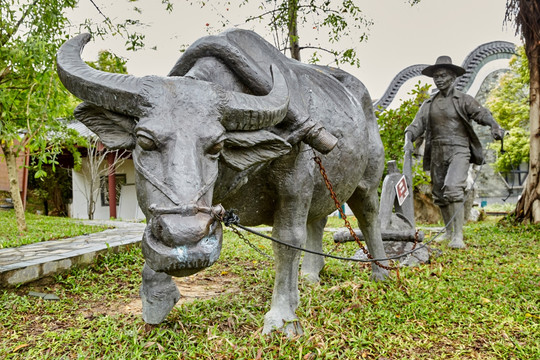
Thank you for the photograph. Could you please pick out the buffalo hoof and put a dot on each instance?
(457, 244)
(444, 237)
(310, 278)
(378, 273)
(287, 324)
(311, 268)
(159, 294)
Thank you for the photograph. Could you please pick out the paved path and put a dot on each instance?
(31, 262)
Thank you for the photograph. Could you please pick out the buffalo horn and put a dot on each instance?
(115, 92)
(250, 112)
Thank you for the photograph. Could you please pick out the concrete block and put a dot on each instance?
(54, 267)
(24, 275)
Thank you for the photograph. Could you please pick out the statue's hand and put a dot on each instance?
(408, 146)
(497, 132)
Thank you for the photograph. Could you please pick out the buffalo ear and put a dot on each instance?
(116, 131)
(244, 149)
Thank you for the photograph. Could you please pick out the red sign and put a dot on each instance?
(402, 191)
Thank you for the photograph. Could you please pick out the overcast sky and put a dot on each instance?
(401, 35)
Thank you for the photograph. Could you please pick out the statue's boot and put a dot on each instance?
(447, 213)
(159, 294)
(459, 220)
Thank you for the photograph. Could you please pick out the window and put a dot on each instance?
(104, 185)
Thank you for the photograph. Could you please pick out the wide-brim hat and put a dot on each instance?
(443, 62)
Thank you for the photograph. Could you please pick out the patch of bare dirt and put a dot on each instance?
(195, 287)
(199, 286)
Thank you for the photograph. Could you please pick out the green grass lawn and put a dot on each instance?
(478, 303)
(40, 228)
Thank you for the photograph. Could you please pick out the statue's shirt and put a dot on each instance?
(446, 126)
(451, 120)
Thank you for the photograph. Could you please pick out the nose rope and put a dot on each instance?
(206, 186)
(217, 212)
(158, 184)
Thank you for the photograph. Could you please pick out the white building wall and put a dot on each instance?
(127, 208)
(79, 202)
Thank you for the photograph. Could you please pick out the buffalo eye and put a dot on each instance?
(215, 149)
(146, 143)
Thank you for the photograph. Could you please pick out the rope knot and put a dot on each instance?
(230, 218)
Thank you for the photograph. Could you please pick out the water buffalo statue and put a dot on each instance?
(233, 126)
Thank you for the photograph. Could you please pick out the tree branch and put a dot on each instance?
(9, 34)
(99, 10)
(272, 12)
(318, 48)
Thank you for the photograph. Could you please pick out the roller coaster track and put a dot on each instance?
(472, 64)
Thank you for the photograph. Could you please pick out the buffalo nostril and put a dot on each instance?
(173, 230)
(159, 229)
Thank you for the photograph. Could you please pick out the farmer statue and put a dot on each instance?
(451, 143)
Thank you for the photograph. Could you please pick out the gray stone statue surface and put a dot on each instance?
(229, 128)
(451, 144)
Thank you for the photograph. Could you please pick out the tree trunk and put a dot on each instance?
(14, 189)
(528, 206)
(293, 29)
(91, 206)
(111, 160)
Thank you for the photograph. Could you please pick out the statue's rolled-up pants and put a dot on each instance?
(449, 171)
